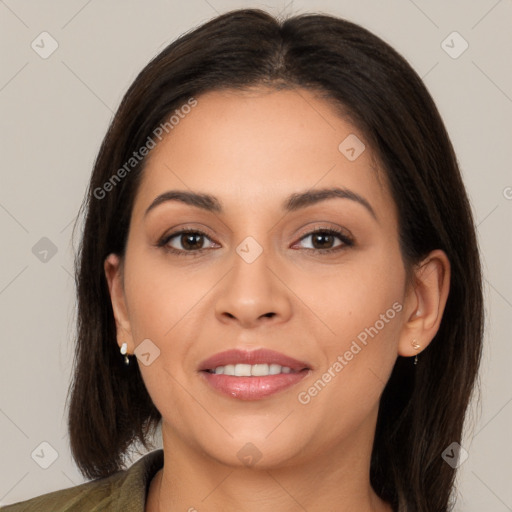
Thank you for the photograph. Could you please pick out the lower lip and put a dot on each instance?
(253, 388)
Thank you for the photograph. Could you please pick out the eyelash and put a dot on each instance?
(345, 239)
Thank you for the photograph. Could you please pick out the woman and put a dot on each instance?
(278, 262)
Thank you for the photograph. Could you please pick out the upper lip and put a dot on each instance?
(259, 356)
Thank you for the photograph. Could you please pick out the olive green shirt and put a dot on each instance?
(124, 491)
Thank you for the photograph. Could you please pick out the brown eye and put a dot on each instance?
(322, 240)
(326, 240)
(185, 241)
(191, 241)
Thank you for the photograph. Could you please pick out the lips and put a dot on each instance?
(260, 356)
(254, 387)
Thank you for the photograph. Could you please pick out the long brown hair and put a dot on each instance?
(423, 407)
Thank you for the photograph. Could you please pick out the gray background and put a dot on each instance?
(55, 112)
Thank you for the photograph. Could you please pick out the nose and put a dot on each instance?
(253, 294)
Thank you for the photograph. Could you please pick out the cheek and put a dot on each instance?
(161, 308)
(367, 289)
(159, 296)
(357, 364)
(164, 306)
(361, 309)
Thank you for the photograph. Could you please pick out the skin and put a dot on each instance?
(251, 150)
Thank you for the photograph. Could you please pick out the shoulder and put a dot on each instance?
(125, 490)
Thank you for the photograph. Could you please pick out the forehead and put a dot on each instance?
(256, 146)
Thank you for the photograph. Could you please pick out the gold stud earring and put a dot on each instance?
(416, 346)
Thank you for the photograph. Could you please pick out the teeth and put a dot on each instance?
(251, 370)
(243, 370)
(259, 370)
(274, 369)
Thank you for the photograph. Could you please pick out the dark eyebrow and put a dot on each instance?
(304, 199)
(294, 202)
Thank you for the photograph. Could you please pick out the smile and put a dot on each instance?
(252, 375)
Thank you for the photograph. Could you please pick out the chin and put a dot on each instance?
(255, 449)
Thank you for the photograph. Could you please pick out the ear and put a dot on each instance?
(114, 274)
(425, 302)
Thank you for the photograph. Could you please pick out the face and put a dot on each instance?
(319, 279)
